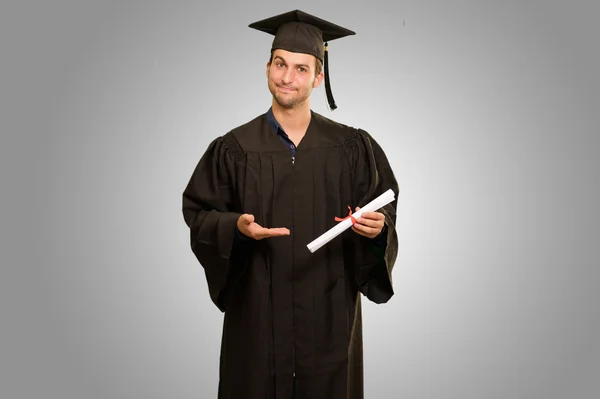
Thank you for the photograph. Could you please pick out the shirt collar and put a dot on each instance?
(274, 124)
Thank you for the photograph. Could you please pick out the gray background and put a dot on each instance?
(488, 111)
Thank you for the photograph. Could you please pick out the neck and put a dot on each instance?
(294, 119)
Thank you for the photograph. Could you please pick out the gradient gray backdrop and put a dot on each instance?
(488, 111)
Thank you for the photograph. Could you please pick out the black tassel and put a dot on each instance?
(330, 99)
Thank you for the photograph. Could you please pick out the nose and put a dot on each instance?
(288, 76)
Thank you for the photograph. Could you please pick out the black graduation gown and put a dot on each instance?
(292, 319)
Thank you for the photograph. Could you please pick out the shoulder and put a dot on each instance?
(332, 126)
(345, 134)
(249, 127)
(231, 144)
(356, 141)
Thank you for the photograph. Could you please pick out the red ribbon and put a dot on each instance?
(337, 219)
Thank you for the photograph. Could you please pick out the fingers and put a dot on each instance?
(270, 233)
(276, 232)
(370, 224)
(366, 230)
(375, 220)
(375, 223)
(373, 215)
(250, 228)
(258, 232)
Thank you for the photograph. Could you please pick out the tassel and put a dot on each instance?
(330, 99)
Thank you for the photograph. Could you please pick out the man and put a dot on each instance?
(258, 196)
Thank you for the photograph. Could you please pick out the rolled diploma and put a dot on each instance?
(345, 224)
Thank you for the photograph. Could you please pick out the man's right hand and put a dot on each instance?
(248, 227)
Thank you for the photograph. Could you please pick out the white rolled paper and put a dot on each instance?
(339, 228)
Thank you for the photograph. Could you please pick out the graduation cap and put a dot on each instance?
(299, 32)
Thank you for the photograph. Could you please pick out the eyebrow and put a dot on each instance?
(298, 65)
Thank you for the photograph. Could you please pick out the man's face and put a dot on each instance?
(291, 77)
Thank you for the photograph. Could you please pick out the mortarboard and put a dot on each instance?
(299, 32)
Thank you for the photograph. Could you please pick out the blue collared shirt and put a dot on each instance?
(280, 132)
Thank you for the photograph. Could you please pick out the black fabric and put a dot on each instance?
(288, 311)
(300, 32)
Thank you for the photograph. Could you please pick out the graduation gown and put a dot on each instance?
(292, 318)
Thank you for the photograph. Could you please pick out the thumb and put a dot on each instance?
(248, 218)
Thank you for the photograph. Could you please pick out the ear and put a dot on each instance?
(319, 79)
(268, 66)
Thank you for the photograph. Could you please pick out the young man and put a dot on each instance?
(258, 196)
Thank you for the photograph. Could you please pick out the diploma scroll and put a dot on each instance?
(345, 224)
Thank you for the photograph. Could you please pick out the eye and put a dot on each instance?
(302, 69)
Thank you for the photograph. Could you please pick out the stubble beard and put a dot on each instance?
(299, 98)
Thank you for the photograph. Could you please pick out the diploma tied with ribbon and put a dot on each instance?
(348, 221)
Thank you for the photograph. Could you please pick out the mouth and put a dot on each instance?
(285, 89)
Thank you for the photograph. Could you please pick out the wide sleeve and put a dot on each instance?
(373, 259)
(210, 214)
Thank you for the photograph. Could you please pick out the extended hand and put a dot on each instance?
(247, 226)
(369, 224)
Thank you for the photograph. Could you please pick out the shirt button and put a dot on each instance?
(291, 146)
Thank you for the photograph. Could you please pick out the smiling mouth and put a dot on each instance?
(287, 89)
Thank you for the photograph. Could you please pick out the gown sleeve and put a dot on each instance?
(374, 259)
(209, 211)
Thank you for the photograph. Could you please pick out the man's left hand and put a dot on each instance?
(369, 224)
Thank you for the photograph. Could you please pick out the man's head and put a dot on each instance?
(292, 76)
(300, 40)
